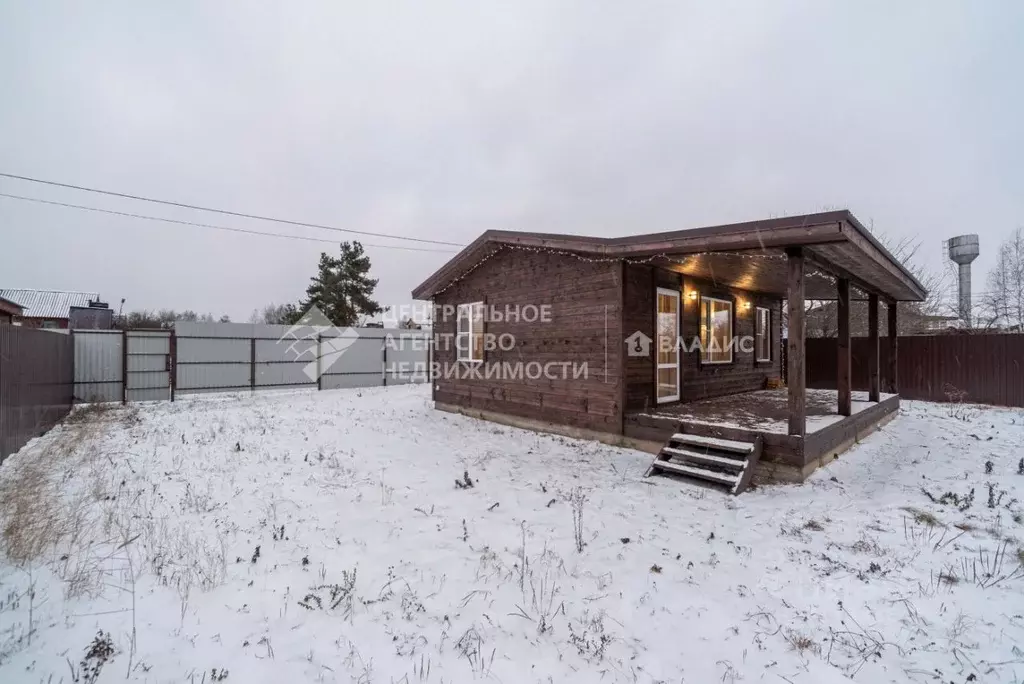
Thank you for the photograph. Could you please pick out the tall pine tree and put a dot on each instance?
(341, 289)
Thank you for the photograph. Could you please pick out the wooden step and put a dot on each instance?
(705, 459)
(700, 473)
(714, 443)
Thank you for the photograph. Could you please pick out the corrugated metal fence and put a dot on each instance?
(987, 369)
(219, 357)
(235, 356)
(36, 375)
(99, 365)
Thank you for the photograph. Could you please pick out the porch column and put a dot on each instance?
(893, 385)
(843, 347)
(874, 383)
(795, 349)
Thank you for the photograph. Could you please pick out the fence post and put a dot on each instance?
(384, 360)
(172, 358)
(319, 365)
(71, 334)
(124, 366)
(252, 364)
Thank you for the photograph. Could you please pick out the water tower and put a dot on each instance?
(964, 249)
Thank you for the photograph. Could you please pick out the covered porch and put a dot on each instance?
(820, 257)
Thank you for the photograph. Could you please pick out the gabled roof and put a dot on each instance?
(48, 303)
(834, 241)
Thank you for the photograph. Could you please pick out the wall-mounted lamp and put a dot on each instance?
(693, 294)
(746, 306)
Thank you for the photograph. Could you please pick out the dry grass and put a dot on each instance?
(802, 643)
(922, 517)
(35, 515)
(64, 504)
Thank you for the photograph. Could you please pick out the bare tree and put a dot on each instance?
(164, 318)
(1003, 302)
(274, 314)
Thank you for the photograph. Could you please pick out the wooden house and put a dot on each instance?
(670, 342)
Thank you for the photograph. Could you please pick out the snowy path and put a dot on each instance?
(321, 537)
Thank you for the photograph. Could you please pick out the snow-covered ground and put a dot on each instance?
(321, 537)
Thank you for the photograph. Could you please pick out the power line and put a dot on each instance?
(225, 211)
(207, 225)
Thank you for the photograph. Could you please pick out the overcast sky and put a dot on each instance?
(441, 120)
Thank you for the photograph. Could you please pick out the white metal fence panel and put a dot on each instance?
(213, 350)
(213, 362)
(210, 377)
(211, 357)
(407, 356)
(350, 380)
(358, 355)
(207, 330)
(146, 363)
(98, 365)
(291, 351)
(285, 363)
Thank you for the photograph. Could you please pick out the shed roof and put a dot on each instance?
(48, 303)
(835, 242)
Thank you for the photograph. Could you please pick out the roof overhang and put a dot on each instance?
(835, 243)
(10, 308)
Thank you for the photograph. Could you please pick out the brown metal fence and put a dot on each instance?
(988, 369)
(36, 383)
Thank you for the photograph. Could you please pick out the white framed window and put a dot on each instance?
(763, 334)
(715, 330)
(469, 332)
(667, 347)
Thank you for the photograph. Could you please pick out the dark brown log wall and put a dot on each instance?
(585, 328)
(697, 381)
(744, 374)
(638, 314)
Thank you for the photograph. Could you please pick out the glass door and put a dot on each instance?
(666, 345)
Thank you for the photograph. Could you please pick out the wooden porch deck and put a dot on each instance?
(743, 417)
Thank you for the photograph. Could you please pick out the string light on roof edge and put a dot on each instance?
(607, 260)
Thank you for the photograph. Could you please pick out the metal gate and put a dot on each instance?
(147, 362)
(99, 365)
